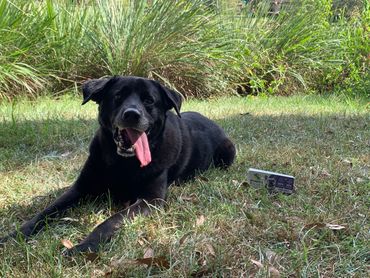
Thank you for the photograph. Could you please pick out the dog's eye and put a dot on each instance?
(117, 97)
(148, 101)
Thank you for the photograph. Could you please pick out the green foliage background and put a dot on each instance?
(48, 47)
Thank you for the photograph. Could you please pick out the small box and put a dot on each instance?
(274, 182)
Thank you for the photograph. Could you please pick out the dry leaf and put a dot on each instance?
(69, 219)
(200, 220)
(141, 242)
(210, 249)
(202, 262)
(274, 272)
(149, 261)
(191, 198)
(118, 263)
(359, 180)
(185, 198)
(149, 253)
(270, 256)
(109, 273)
(323, 225)
(325, 173)
(67, 243)
(158, 261)
(65, 154)
(257, 263)
(183, 238)
(348, 162)
(235, 182)
(203, 178)
(91, 256)
(314, 225)
(335, 227)
(97, 273)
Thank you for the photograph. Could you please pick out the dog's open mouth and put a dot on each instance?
(131, 142)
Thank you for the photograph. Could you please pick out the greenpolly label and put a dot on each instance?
(274, 182)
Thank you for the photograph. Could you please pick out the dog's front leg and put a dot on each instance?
(67, 200)
(104, 232)
(89, 177)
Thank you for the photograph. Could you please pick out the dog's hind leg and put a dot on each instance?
(224, 154)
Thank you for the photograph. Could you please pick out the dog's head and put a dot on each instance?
(133, 109)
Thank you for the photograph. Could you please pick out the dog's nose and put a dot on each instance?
(131, 114)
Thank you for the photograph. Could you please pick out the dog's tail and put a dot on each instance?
(224, 154)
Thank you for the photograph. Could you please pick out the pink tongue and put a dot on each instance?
(140, 141)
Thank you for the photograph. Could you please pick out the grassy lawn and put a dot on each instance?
(216, 225)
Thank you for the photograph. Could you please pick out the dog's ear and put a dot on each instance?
(172, 99)
(93, 89)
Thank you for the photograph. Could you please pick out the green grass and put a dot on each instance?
(322, 141)
(55, 44)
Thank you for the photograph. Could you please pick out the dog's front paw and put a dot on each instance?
(3, 240)
(80, 248)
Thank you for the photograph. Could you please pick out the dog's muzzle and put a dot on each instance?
(125, 147)
(132, 142)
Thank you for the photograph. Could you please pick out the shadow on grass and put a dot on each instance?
(29, 141)
(26, 141)
(19, 213)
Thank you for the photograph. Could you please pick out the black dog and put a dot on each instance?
(138, 151)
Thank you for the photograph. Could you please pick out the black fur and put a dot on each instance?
(181, 145)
